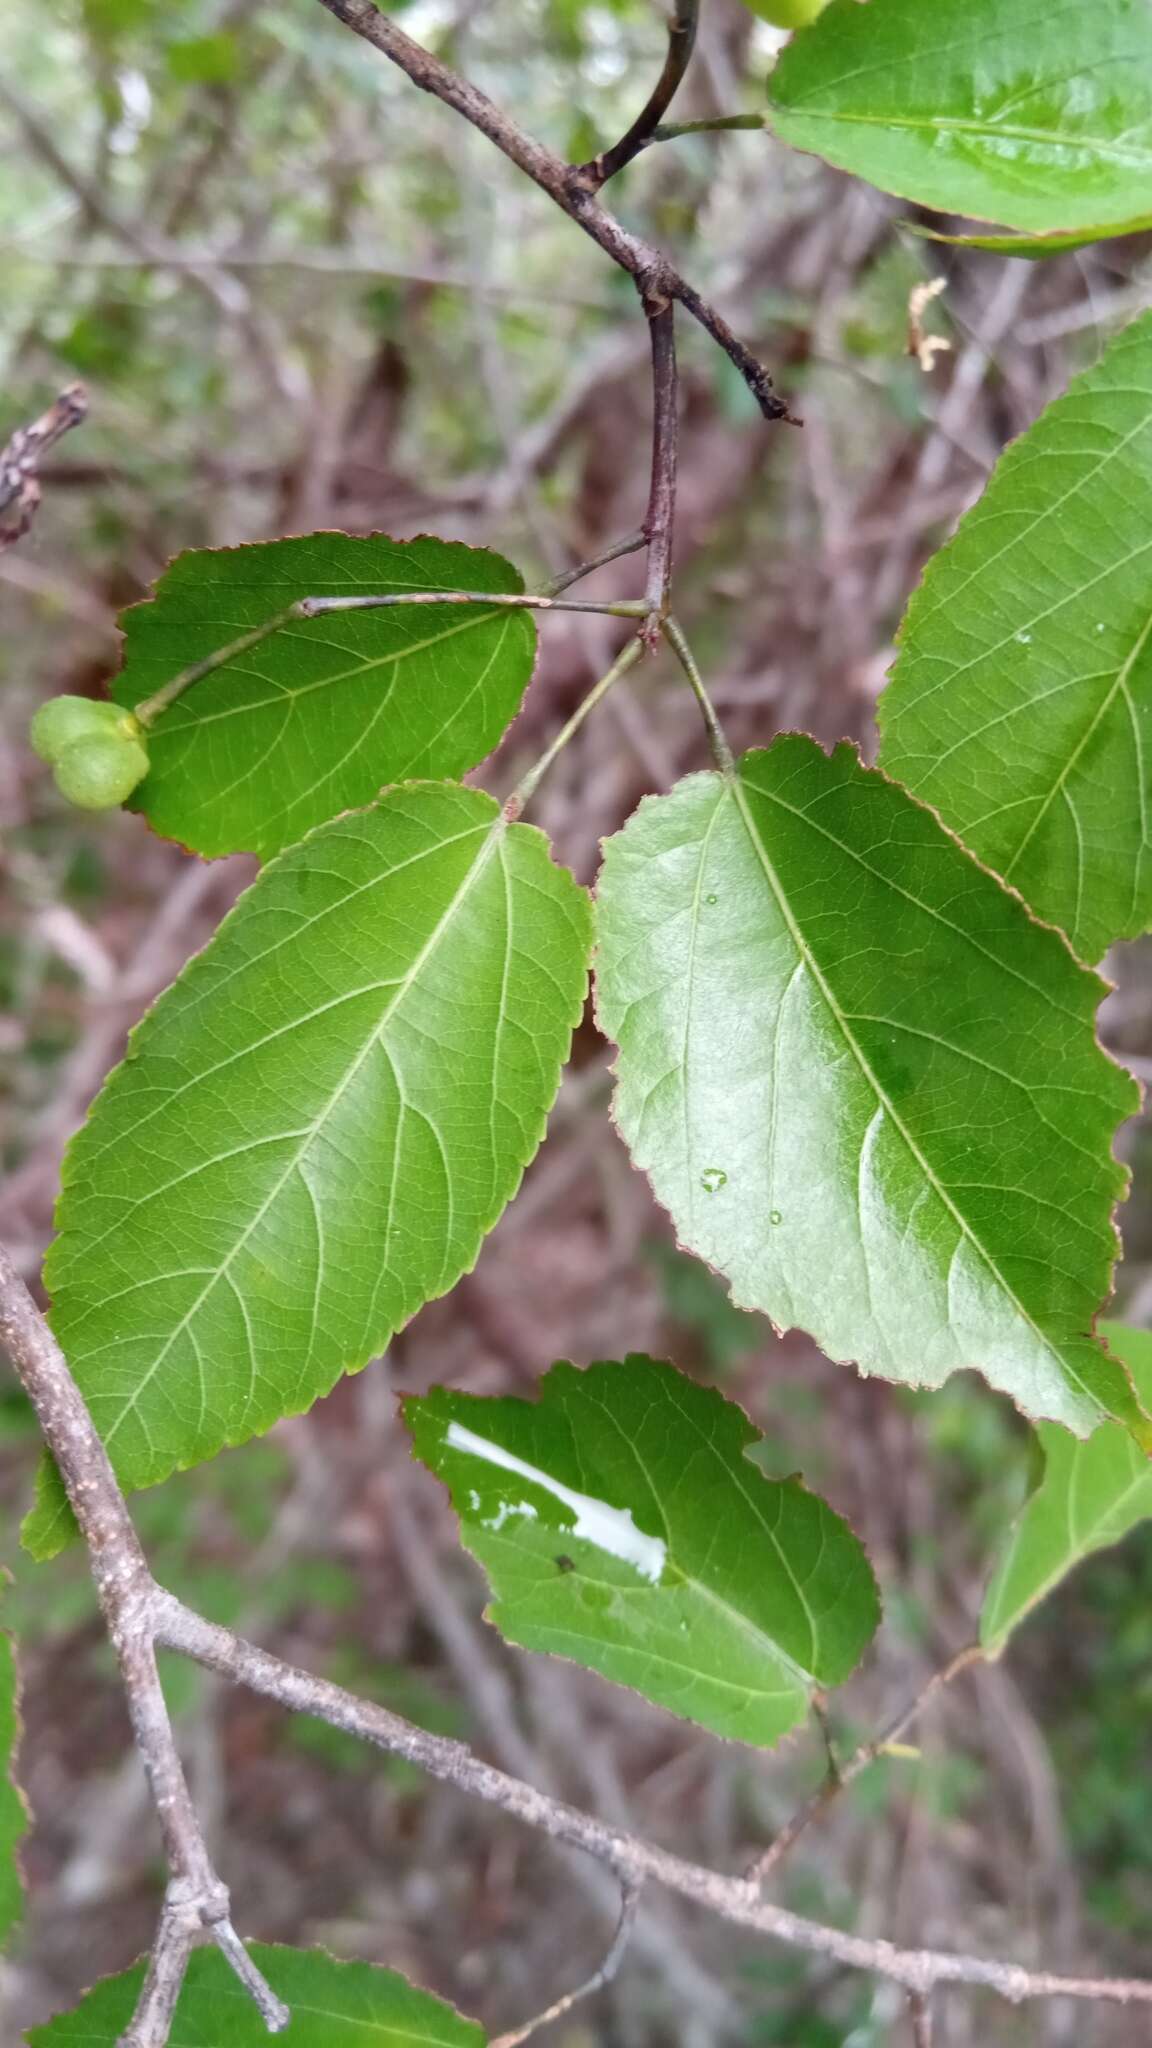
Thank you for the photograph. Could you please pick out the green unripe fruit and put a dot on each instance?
(64, 720)
(100, 771)
(788, 13)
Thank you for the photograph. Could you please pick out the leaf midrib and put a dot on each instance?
(746, 1623)
(483, 854)
(466, 625)
(733, 787)
(1055, 138)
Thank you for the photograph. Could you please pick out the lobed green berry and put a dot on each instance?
(101, 770)
(64, 720)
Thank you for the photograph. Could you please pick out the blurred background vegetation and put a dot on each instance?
(303, 296)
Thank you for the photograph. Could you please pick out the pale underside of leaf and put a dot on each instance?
(1089, 1497)
(1036, 116)
(864, 1083)
(623, 1526)
(319, 716)
(316, 1126)
(1021, 703)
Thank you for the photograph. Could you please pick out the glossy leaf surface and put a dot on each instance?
(1089, 1496)
(318, 717)
(1021, 704)
(863, 1081)
(621, 1524)
(333, 2005)
(315, 1126)
(1036, 116)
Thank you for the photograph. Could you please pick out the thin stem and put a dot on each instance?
(128, 1597)
(920, 2013)
(721, 751)
(568, 187)
(718, 124)
(132, 1600)
(681, 41)
(150, 709)
(629, 1902)
(733, 1898)
(151, 2023)
(661, 515)
(612, 553)
(529, 784)
(501, 600)
(839, 1775)
(319, 607)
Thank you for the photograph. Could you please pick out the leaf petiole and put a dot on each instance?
(319, 607)
(721, 751)
(629, 655)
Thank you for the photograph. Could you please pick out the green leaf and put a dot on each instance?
(205, 60)
(1021, 704)
(1032, 245)
(1090, 1495)
(13, 1812)
(334, 2005)
(315, 1126)
(1037, 116)
(621, 1524)
(323, 713)
(863, 1081)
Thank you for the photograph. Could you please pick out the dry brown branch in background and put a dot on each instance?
(20, 461)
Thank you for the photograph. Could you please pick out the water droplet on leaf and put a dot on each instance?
(774, 1216)
(711, 899)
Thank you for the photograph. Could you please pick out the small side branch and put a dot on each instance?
(920, 2014)
(150, 709)
(139, 1612)
(629, 1902)
(681, 42)
(20, 461)
(840, 1775)
(195, 1899)
(734, 1899)
(661, 516)
(566, 185)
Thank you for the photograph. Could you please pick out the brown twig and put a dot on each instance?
(629, 1902)
(839, 1775)
(661, 515)
(195, 1898)
(319, 607)
(20, 461)
(920, 2014)
(681, 41)
(734, 1899)
(566, 184)
(141, 1615)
